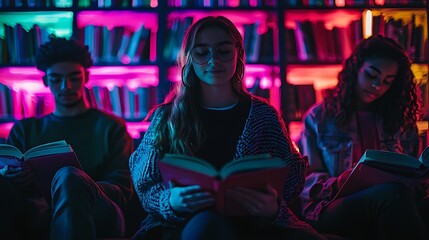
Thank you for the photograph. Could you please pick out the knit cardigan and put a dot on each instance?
(264, 132)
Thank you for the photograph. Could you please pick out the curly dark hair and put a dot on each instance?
(59, 49)
(400, 106)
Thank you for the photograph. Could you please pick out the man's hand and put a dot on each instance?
(190, 198)
(19, 176)
(257, 203)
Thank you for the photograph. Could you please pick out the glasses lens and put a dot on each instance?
(225, 52)
(201, 55)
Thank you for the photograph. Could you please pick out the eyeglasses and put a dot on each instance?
(202, 54)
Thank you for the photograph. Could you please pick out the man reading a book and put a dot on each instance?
(85, 203)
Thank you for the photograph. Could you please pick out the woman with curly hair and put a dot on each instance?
(210, 115)
(374, 106)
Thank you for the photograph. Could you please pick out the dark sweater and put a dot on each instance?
(222, 128)
(100, 140)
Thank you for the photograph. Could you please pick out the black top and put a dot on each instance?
(223, 129)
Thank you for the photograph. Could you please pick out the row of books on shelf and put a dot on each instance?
(203, 3)
(313, 41)
(409, 34)
(259, 46)
(222, 3)
(130, 104)
(299, 98)
(118, 44)
(19, 45)
(17, 104)
(115, 45)
(115, 3)
(352, 3)
(35, 3)
(69, 3)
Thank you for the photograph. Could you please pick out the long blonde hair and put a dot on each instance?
(180, 129)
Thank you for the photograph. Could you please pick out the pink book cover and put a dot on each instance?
(45, 168)
(258, 179)
(364, 176)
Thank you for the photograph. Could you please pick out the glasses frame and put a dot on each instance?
(212, 50)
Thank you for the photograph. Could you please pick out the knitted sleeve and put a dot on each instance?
(153, 194)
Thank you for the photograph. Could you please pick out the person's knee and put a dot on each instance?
(207, 219)
(69, 179)
(208, 225)
(392, 190)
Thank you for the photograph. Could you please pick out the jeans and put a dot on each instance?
(385, 211)
(208, 225)
(80, 209)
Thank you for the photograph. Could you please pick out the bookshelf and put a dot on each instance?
(286, 63)
(320, 35)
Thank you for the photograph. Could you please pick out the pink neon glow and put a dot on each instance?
(239, 18)
(330, 17)
(133, 128)
(131, 19)
(249, 82)
(295, 129)
(379, 2)
(30, 79)
(321, 77)
(233, 3)
(265, 83)
(340, 3)
(153, 3)
(5, 129)
(251, 72)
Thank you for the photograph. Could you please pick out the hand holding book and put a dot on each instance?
(252, 172)
(190, 198)
(377, 167)
(257, 203)
(37, 165)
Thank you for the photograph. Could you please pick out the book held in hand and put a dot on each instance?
(377, 167)
(44, 160)
(256, 172)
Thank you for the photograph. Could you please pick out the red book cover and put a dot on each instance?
(378, 167)
(259, 177)
(45, 160)
(45, 168)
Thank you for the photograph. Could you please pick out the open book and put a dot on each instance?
(377, 167)
(45, 160)
(256, 172)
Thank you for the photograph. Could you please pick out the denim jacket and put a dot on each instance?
(329, 148)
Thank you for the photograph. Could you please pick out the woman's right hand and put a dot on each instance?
(190, 198)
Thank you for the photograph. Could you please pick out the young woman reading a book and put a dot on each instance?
(374, 106)
(210, 115)
(85, 203)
